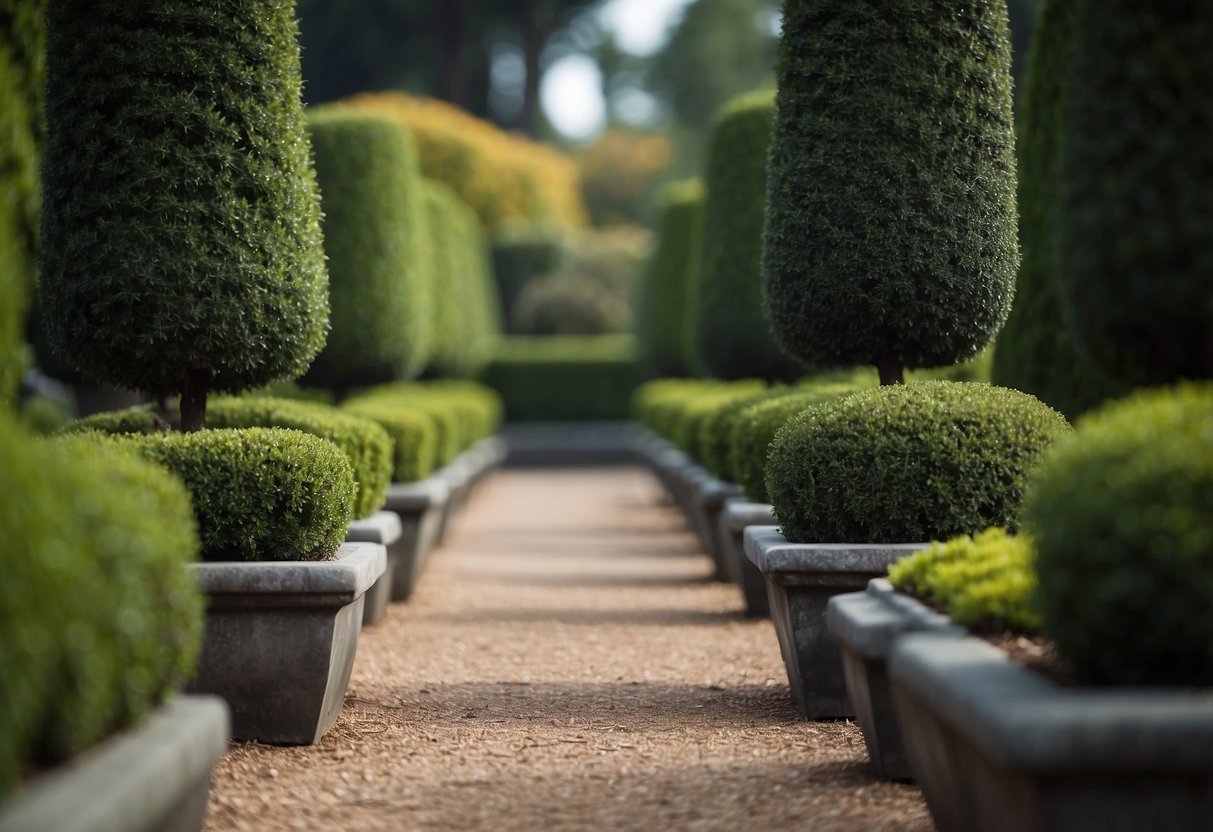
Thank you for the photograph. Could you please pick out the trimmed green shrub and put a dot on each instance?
(366, 445)
(181, 247)
(890, 228)
(1036, 352)
(666, 287)
(131, 420)
(695, 409)
(652, 400)
(985, 582)
(716, 429)
(565, 378)
(259, 493)
(1121, 514)
(732, 335)
(561, 304)
(44, 415)
(1136, 197)
(13, 300)
(415, 436)
(375, 234)
(523, 252)
(904, 463)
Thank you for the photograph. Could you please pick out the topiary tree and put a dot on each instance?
(181, 247)
(375, 239)
(1136, 201)
(890, 225)
(731, 332)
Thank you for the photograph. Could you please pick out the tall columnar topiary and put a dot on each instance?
(181, 248)
(1137, 189)
(375, 237)
(661, 307)
(732, 336)
(1036, 352)
(890, 227)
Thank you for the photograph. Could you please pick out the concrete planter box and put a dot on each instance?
(710, 495)
(801, 578)
(736, 516)
(384, 528)
(420, 507)
(280, 640)
(152, 777)
(866, 624)
(995, 746)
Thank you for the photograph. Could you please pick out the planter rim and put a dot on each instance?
(867, 622)
(740, 513)
(714, 491)
(1027, 721)
(357, 566)
(772, 553)
(381, 527)
(417, 496)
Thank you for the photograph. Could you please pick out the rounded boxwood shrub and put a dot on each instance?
(732, 335)
(415, 435)
(375, 235)
(181, 247)
(365, 443)
(129, 420)
(890, 228)
(521, 253)
(904, 463)
(694, 409)
(260, 494)
(1121, 514)
(716, 430)
(566, 304)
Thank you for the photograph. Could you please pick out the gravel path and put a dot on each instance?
(566, 664)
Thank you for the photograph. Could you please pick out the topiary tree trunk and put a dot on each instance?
(181, 248)
(890, 228)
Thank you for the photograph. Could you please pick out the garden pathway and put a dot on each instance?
(566, 664)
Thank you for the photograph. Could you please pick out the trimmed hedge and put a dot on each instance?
(521, 253)
(13, 300)
(181, 225)
(732, 335)
(375, 239)
(716, 430)
(903, 463)
(142, 420)
(566, 304)
(1136, 201)
(890, 232)
(415, 436)
(1121, 514)
(693, 410)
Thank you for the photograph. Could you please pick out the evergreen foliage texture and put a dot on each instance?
(521, 253)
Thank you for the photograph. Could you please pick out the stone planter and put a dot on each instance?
(865, 625)
(801, 578)
(421, 506)
(458, 478)
(710, 495)
(152, 777)
(996, 746)
(384, 528)
(736, 516)
(280, 640)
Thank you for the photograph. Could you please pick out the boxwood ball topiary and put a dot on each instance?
(375, 234)
(908, 463)
(181, 248)
(1137, 203)
(890, 232)
(1121, 514)
(732, 335)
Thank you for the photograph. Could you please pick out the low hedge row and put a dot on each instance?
(415, 435)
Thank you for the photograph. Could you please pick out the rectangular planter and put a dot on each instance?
(280, 640)
(865, 625)
(996, 747)
(801, 578)
(421, 506)
(153, 777)
(736, 516)
(710, 494)
(384, 528)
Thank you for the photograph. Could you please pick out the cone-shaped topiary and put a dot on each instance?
(890, 226)
(181, 248)
(1137, 190)
(1036, 352)
(375, 234)
(732, 336)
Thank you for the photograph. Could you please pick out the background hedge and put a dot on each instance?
(414, 432)
(523, 252)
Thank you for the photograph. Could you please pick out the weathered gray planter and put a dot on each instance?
(736, 516)
(995, 746)
(421, 507)
(710, 494)
(384, 528)
(280, 640)
(865, 625)
(801, 578)
(458, 478)
(152, 777)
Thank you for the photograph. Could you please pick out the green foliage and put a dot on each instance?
(521, 253)
(43, 415)
(375, 239)
(13, 299)
(414, 433)
(366, 445)
(985, 582)
(1121, 514)
(181, 231)
(666, 288)
(732, 336)
(566, 305)
(1136, 182)
(905, 463)
(259, 494)
(565, 378)
(142, 420)
(716, 429)
(890, 227)
(677, 410)
(1036, 352)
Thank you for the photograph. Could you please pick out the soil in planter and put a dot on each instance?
(1036, 653)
